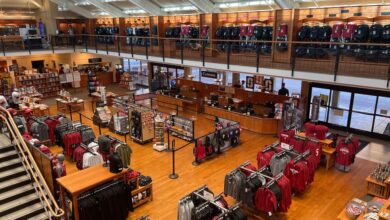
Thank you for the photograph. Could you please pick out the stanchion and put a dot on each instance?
(168, 148)
(80, 118)
(173, 175)
(100, 130)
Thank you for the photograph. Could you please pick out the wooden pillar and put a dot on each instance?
(236, 79)
(150, 74)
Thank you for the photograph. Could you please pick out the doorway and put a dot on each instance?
(39, 65)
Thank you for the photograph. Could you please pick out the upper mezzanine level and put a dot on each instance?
(341, 63)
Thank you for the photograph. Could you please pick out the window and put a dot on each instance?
(364, 103)
(229, 78)
(383, 107)
(195, 72)
(126, 64)
(294, 86)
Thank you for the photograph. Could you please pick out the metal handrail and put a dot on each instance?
(31, 166)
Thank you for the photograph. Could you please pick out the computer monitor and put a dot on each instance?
(32, 32)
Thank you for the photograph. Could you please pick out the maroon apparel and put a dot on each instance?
(310, 129)
(200, 151)
(349, 30)
(337, 30)
(265, 200)
(321, 131)
(285, 136)
(315, 150)
(312, 166)
(285, 187)
(251, 30)
(297, 145)
(52, 124)
(78, 154)
(298, 174)
(204, 31)
(249, 167)
(263, 158)
(243, 31)
(345, 152)
(71, 141)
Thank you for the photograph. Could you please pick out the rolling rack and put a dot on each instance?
(141, 123)
(225, 212)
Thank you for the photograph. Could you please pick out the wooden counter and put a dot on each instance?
(182, 104)
(104, 78)
(82, 181)
(251, 123)
(384, 212)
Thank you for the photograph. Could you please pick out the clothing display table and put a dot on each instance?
(70, 106)
(82, 181)
(96, 96)
(328, 151)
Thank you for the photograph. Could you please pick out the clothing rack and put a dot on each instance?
(85, 147)
(100, 189)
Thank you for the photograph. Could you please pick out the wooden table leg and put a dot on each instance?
(62, 195)
(76, 207)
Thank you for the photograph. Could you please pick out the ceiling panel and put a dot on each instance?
(17, 4)
(171, 3)
(122, 5)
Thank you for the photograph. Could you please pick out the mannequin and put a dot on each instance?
(59, 167)
(15, 99)
(3, 102)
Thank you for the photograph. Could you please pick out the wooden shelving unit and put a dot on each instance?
(48, 84)
(141, 189)
(376, 188)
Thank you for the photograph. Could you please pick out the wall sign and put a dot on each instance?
(95, 60)
(357, 14)
(269, 85)
(332, 15)
(209, 74)
(344, 11)
(250, 84)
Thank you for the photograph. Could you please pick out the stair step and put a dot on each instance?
(41, 216)
(7, 148)
(11, 164)
(16, 205)
(5, 174)
(26, 213)
(8, 156)
(8, 186)
(16, 194)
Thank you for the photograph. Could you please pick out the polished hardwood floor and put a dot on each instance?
(324, 199)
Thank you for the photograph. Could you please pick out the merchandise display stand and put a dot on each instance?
(183, 128)
(146, 193)
(119, 123)
(226, 135)
(48, 84)
(102, 117)
(92, 82)
(159, 145)
(141, 123)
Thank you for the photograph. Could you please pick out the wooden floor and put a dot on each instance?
(324, 199)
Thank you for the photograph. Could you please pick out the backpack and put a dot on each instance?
(314, 33)
(235, 34)
(376, 32)
(304, 33)
(267, 33)
(324, 33)
(116, 164)
(258, 32)
(361, 33)
(220, 32)
(348, 32)
(386, 33)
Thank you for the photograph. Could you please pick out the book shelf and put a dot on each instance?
(48, 84)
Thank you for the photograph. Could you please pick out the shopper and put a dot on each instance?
(284, 91)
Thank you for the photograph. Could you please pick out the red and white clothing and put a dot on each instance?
(265, 200)
(315, 149)
(310, 129)
(263, 158)
(298, 174)
(200, 151)
(71, 141)
(285, 187)
(345, 152)
(285, 136)
(297, 145)
(321, 131)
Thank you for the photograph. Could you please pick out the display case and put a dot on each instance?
(183, 128)
(159, 126)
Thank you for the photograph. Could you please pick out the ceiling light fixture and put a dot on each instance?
(244, 4)
(134, 11)
(183, 8)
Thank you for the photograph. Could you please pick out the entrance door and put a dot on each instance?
(39, 65)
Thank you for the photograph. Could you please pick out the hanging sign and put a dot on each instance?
(208, 74)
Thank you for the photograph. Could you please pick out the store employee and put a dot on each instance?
(283, 90)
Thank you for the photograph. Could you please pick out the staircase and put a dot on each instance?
(18, 197)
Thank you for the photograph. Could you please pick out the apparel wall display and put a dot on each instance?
(48, 84)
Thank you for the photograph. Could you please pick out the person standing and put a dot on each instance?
(284, 91)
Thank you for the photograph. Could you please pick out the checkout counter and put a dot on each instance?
(184, 100)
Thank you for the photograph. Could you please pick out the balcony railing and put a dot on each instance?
(363, 60)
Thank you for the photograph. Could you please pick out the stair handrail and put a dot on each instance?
(58, 212)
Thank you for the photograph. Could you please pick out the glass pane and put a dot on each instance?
(180, 73)
(229, 78)
(381, 123)
(319, 91)
(338, 117)
(322, 115)
(364, 103)
(361, 121)
(383, 106)
(294, 86)
(277, 83)
(340, 99)
(195, 73)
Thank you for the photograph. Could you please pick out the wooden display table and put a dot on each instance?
(179, 103)
(82, 181)
(96, 96)
(343, 216)
(69, 107)
(328, 151)
(376, 188)
(384, 212)
(251, 123)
